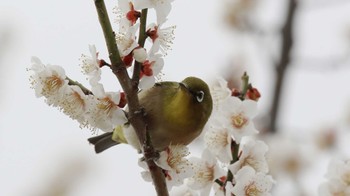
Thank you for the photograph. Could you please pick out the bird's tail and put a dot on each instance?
(103, 142)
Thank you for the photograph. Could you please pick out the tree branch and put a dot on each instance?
(136, 114)
(141, 42)
(282, 65)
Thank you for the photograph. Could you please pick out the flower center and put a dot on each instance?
(106, 104)
(52, 84)
(175, 157)
(250, 161)
(78, 99)
(206, 174)
(238, 121)
(252, 190)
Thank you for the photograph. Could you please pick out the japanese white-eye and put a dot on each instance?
(175, 113)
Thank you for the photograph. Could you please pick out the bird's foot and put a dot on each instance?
(140, 111)
(150, 154)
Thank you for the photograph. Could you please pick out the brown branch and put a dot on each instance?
(141, 42)
(282, 65)
(136, 114)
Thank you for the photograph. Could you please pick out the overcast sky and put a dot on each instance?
(38, 143)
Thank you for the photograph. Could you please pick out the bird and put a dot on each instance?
(175, 114)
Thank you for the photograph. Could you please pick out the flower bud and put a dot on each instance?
(253, 94)
(140, 54)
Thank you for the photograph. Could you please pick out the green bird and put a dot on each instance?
(176, 113)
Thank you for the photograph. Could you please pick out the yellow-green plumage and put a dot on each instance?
(175, 112)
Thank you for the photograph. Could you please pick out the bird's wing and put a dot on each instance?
(158, 93)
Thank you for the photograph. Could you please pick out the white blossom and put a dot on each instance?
(75, 104)
(126, 15)
(250, 182)
(338, 176)
(126, 41)
(218, 141)
(105, 113)
(219, 190)
(162, 7)
(219, 91)
(162, 38)
(91, 65)
(339, 169)
(183, 191)
(206, 171)
(176, 167)
(236, 115)
(150, 69)
(253, 155)
(140, 54)
(281, 156)
(48, 81)
(334, 187)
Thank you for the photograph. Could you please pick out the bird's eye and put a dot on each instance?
(200, 96)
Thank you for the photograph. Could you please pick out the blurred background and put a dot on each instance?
(295, 52)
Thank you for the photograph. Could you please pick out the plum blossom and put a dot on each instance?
(150, 69)
(48, 81)
(237, 116)
(126, 15)
(162, 7)
(250, 182)
(140, 54)
(174, 164)
(253, 155)
(206, 170)
(218, 141)
(339, 169)
(75, 104)
(105, 113)
(162, 38)
(176, 167)
(281, 156)
(126, 40)
(91, 65)
(334, 187)
(338, 179)
(183, 191)
(219, 91)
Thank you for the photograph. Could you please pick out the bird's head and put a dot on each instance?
(201, 94)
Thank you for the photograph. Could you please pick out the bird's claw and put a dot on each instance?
(141, 111)
(150, 154)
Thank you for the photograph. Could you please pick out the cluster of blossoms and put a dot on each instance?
(231, 162)
(94, 109)
(161, 38)
(97, 109)
(338, 179)
(230, 127)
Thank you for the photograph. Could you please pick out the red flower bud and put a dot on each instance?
(253, 94)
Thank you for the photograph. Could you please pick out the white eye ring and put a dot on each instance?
(200, 96)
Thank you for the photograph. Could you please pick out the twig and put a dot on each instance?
(245, 85)
(235, 157)
(83, 88)
(131, 90)
(141, 42)
(281, 67)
